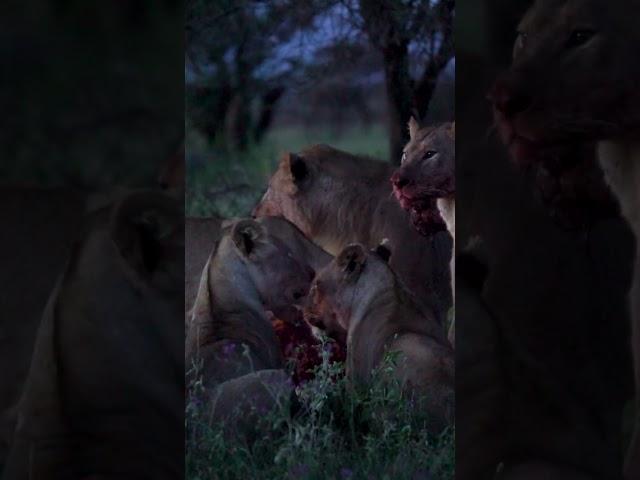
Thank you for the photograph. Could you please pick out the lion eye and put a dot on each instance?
(429, 154)
(580, 37)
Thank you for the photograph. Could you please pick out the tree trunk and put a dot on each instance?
(424, 92)
(424, 88)
(239, 115)
(398, 88)
(269, 101)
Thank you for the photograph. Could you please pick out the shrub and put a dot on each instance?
(338, 431)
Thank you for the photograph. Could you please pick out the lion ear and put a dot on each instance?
(148, 229)
(352, 259)
(297, 167)
(247, 235)
(383, 250)
(295, 170)
(414, 126)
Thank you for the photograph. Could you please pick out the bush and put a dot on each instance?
(339, 431)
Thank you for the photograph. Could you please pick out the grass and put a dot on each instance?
(230, 183)
(339, 432)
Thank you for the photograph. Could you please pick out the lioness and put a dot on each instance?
(592, 95)
(481, 390)
(428, 172)
(336, 198)
(201, 234)
(39, 228)
(249, 271)
(240, 404)
(105, 389)
(359, 295)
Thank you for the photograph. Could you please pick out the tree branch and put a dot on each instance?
(425, 87)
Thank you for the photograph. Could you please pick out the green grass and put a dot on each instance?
(340, 432)
(230, 183)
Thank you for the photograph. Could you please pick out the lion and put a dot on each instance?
(250, 271)
(105, 390)
(240, 404)
(39, 229)
(359, 295)
(591, 96)
(336, 199)
(202, 233)
(481, 386)
(428, 172)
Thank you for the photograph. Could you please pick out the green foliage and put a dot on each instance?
(340, 431)
(230, 183)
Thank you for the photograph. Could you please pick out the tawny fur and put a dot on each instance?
(428, 172)
(229, 333)
(202, 234)
(117, 365)
(574, 81)
(336, 198)
(39, 229)
(621, 165)
(379, 316)
(447, 209)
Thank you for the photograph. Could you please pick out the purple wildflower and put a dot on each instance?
(346, 472)
(228, 349)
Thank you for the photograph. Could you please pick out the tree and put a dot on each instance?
(392, 27)
(253, 51)
(228, 45)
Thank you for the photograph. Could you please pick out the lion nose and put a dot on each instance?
(508, 100)
(400, 180)
(299, 294)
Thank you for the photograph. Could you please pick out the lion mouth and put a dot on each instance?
(424, 215)
(299, 346)
(525, 147)
(407, 202)
(422, 209)
(409, 199)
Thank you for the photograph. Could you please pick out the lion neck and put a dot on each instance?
(333, 229)
(620, 161)
(447, 209)
(381, 314)
(228, 307)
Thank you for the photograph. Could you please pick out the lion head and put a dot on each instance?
(573, 77)
(262, 261)
(337, 288)
(427, 172)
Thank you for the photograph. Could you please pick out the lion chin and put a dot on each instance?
(423, 212)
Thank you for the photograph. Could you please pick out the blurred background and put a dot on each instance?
(266, 77)
(92, 92)
(559, 262)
